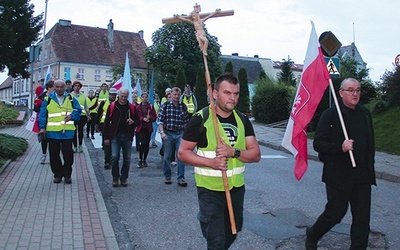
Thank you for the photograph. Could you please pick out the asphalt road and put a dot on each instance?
(149, 214)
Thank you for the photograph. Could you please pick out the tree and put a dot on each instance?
(244, 99)
(180, 79)
(18, 29)
(201, 89)
(229, 67)
(286, 75)
(262, 75)
(175, 47)
(391, 87)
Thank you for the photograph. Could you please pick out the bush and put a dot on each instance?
(7, 113)
(270, 102)
(11, 147)
(380, 107)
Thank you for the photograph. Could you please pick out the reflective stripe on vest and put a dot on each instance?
(56, 115)
(189, 104)
(211, 179)
(103, 96)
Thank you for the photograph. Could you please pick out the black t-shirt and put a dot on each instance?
(123, 125)
(194, 131)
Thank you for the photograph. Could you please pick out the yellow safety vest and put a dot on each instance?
(189, 103)
(211, 179)
(105, 107)
(82, 100)
(90, 104)
(103, 96)
(56, 115)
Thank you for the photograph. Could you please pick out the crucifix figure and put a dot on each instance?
(198, 21)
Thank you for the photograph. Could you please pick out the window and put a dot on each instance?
(81, 74)
(97, 75)
(67, 73)
(108, 75)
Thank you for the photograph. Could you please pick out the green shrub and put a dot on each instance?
(7, 113)
(270, 102)
(11, 147)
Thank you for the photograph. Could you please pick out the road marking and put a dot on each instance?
(273, 157)
(97, 141)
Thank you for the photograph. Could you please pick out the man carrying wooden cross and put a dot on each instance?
(238, 146)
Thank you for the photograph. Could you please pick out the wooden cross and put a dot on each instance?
(198, 21)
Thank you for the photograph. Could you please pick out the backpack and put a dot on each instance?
(112, 106)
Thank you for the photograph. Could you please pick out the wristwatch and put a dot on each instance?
(237, 153)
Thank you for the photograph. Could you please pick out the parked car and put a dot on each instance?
(7, 103)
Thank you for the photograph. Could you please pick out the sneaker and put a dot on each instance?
(173, 163)
(43, 159)
(124, 183)
(67, 180)
(167, 180)
(107, 166)
(80, 149)
(92, 137)
(74, 149)
(144, 164)
(153, 145)
(57, 180)
(140, 164)
(115, 182)
(182, 183)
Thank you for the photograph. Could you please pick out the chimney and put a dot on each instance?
(110, 28)
(255, 56)
(63, 22)
(141, 34)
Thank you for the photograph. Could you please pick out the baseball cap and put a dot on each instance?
(113, 91)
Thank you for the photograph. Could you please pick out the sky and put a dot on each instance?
(267, 28)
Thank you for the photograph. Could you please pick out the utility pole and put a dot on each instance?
(44, 41)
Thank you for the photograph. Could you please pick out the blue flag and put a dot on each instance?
(151, 89)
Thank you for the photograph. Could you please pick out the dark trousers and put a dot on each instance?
(214, 216)
(61, 168)
(44, 143)
(359, 197)
(90, 126)
(79, 130)
(143, 143)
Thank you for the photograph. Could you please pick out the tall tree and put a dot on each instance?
(286, 75)
(244, 99)
(201, 89)
(19, 28)
(175, 47)
(229, 67)
(180, 79)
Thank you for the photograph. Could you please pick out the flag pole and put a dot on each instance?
(216, 130)
(346, 136)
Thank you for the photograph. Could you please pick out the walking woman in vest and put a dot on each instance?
(238, 146)
(85, 117)
(56, 121)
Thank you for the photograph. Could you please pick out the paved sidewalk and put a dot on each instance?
(35, 213)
